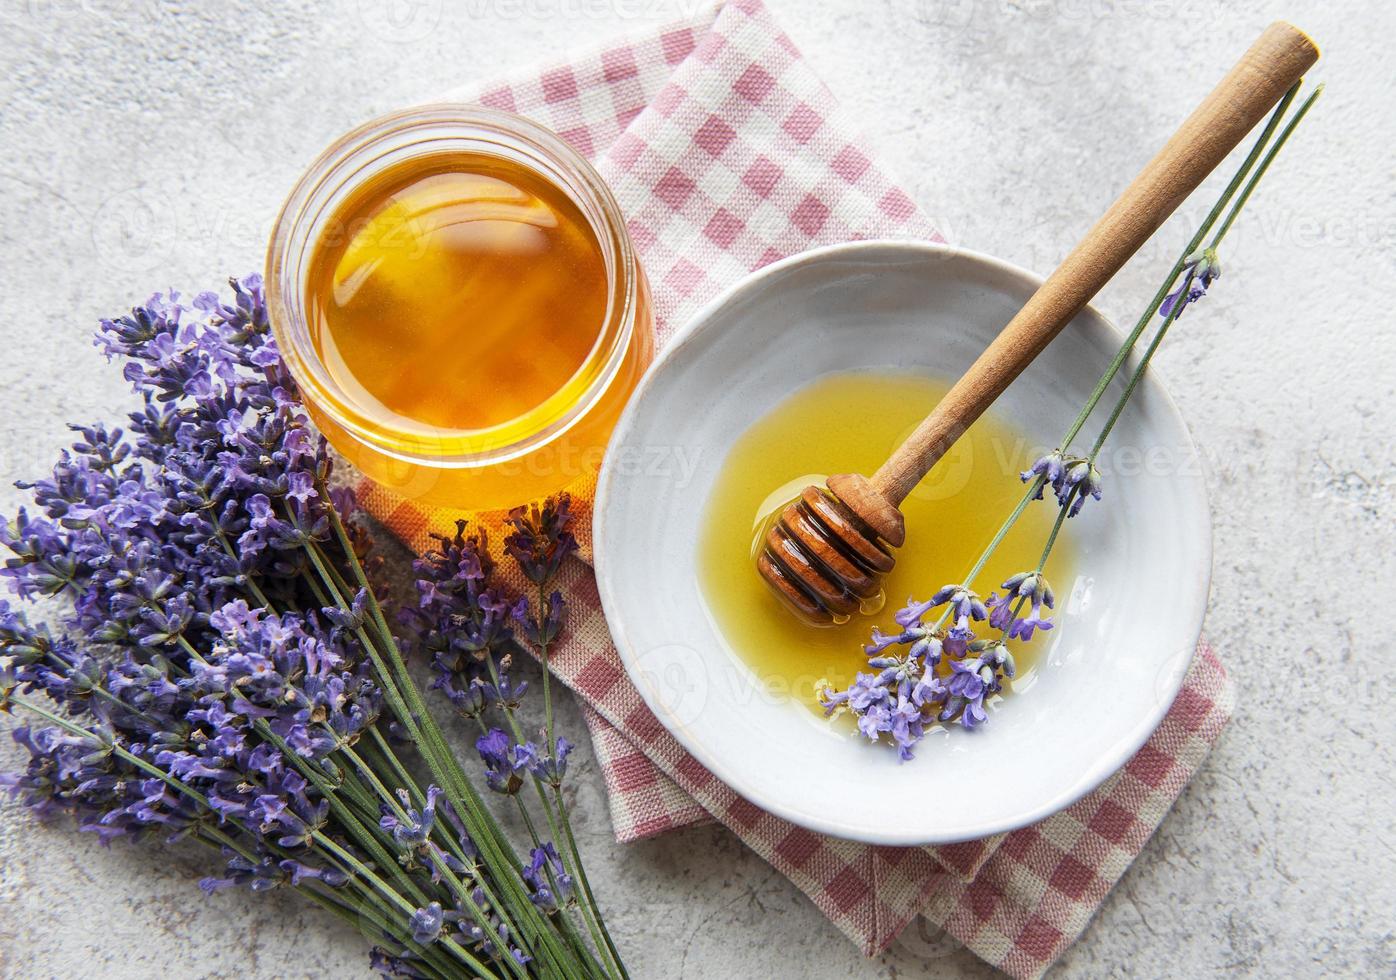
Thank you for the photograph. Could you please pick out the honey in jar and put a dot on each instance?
(457, 293)
(465, 314)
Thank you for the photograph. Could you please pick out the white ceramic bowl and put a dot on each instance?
(1127, 626)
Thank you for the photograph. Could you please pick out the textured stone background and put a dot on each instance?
(144, 144)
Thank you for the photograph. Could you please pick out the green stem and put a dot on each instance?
(368, 875)
(321, 597)
(518, 733)
(1029, 495)
(591, 909)
(1188, 250)
(457, 887)
(385, 794)
(1231, 217)
(437, 963)
(547, 674)
(610, 948)
(1183, 262)
(1237, 181)
(1269, 157)
(484, 830)
(1138, 373)
(1062, 512)
(407, 718)
(391, 690)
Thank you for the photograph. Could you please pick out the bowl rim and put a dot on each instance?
(1120, 751)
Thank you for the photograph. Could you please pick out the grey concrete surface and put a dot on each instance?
(146, 144)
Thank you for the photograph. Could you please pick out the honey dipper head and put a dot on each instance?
(826, 553)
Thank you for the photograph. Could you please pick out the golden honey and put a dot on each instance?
(850, 423)
(456, 293)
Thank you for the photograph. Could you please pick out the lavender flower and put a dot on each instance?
(1050, 468)
(155, 536)
(937, 673)
(1072, 479)
(970, 681)
(884, 704)
(1201, 270)
(541, 538)
(1001, 609)
(485, 932)
(966, 607)
(257, 875)
(964, 602)
(213, 676)
(551, 885)
(881, 641)
(996, 654)
(426, 923)
(504, 760)
(389, 965)
(1082, 480)
(540, 542)
(541, 626)
(551, 767)
(462, 622)
(1029, 587)
(415, 829)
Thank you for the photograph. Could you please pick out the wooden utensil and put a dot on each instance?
(828, 551)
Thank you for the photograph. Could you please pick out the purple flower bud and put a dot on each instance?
(504, 760)
(1049, 468)
(1200, 271)
(911, 613)
(426, 923)
(549, 883)
(1082, 480)
(551, 768)
(541, 538)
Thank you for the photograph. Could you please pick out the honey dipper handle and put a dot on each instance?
(1272, 65)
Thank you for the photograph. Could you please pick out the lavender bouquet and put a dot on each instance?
(947, 668)
(225, 668)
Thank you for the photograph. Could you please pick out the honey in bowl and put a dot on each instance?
(847, 423)
(455, 291)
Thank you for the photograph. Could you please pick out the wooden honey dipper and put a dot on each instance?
(827, 552)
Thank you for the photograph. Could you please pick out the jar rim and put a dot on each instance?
(421, 131)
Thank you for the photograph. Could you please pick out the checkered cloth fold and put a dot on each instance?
(727, 153)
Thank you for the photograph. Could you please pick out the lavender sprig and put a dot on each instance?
(948, 672)
(541, 541)
(934, 671)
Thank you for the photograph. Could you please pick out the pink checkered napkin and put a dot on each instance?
(726, 153)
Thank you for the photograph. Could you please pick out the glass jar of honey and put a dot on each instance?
(455, 291)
